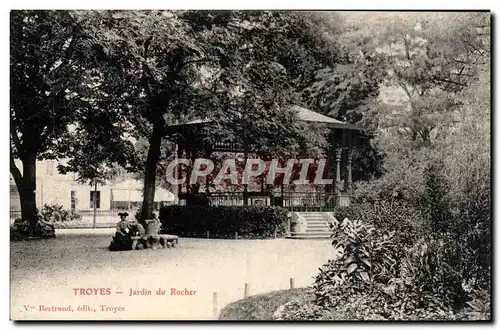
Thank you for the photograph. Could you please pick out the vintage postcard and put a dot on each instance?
(250, 165)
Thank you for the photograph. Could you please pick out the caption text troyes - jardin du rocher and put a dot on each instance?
(131, 292)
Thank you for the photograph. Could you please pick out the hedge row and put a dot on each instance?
(254, 221)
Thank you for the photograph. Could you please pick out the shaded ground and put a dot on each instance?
(44, 272)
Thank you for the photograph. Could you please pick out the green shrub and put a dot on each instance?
(459, 238)
(366, 257)
(382, 278)
(434, 204)
(402, 181)
(23, 229)
(479, 307)
(224, 221)
(57, 213)
(392, 215)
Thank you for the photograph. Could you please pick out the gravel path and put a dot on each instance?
(44, 273)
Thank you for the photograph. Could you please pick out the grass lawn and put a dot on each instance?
(263, 306)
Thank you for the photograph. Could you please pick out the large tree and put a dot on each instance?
(433, 61)
(241, 68)
(148, 62)
(429, 64)
(46, 84)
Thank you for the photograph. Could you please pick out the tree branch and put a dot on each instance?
(145, 67)
(14, 170)
(405, 89)
(451, 82)
(67, 53)
(45, 135)
(195, 61)
(15, 139)
(146, 47)
(17, 142)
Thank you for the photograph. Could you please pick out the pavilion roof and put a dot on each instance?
(309, 115)
(302, 113)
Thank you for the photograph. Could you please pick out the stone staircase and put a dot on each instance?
(311, 225)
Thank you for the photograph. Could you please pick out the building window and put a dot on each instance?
(73, 200)
(95, 195)
(49, 167)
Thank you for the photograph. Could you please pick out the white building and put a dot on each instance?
(63, 189)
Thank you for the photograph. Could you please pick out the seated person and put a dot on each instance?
(153, 225)
(128, 227)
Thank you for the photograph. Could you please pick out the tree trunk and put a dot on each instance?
(28, 197)
(26, 185)
(154, 152)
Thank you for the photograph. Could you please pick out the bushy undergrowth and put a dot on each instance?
(57, 213)
(427, 258)
(391, 215)
(374, 278)
(421, 258)
(442, 235)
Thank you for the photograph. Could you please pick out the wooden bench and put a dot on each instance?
(173, 240)
(135, 240)
(168, 240)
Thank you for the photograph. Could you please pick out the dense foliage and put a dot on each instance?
(224, 221)
(46, 85)
(416, 244)
(112, 78)
(23, 229)
(376, 276)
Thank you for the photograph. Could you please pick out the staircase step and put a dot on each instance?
(314, 215)
(317, 220)
(324, 224)
(313, 232)
(325, 237)
(321, 233)
(317, 226)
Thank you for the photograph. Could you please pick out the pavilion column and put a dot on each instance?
(193, 188)
(208, 153)
(338, 158)
(348, 182)
(189, 154)
(245, 186)
(178, 171)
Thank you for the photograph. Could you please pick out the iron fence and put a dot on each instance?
(294, 201)
(309, 201)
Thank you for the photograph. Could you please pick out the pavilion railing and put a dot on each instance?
(226, 199)
(293, 201)
(309, 201)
